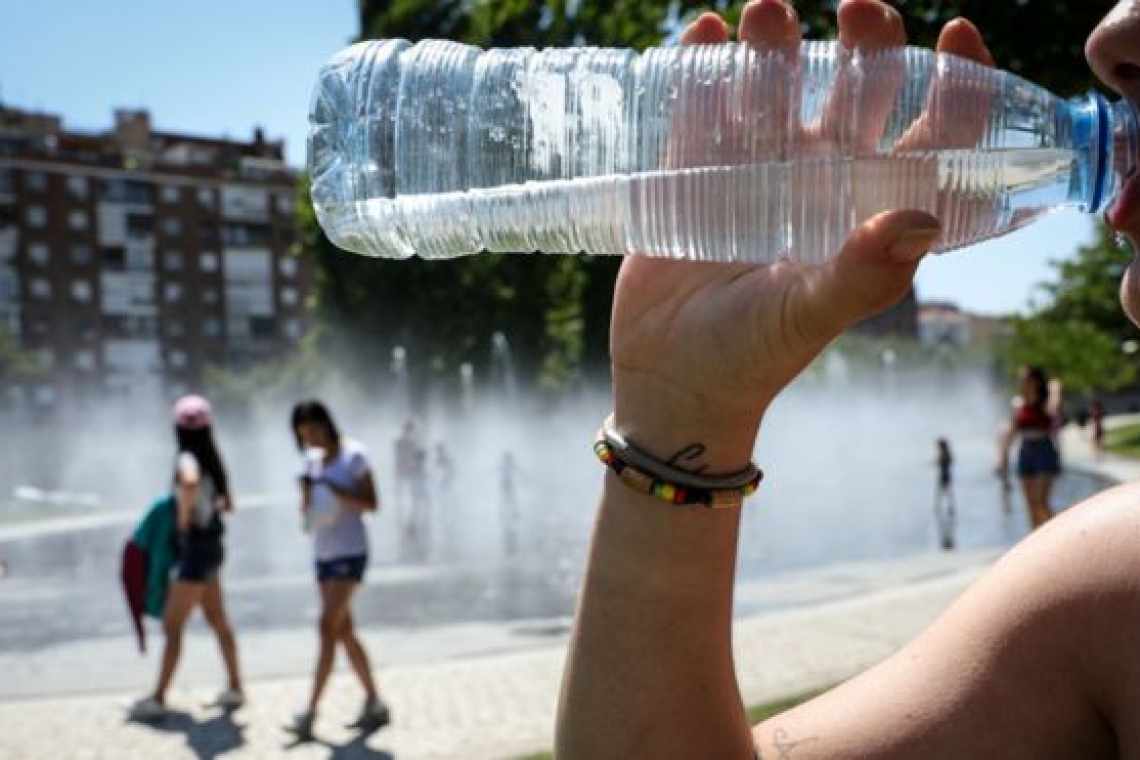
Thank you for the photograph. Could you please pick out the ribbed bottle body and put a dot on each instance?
(715, 152)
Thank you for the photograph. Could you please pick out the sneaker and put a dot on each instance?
(373, 716)
(146, 710)
(301, 725)
(230, 699)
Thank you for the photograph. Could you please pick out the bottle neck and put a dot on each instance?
(1107, 139)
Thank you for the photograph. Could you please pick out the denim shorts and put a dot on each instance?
(342, 569)
(200, 562)
(1038, 456)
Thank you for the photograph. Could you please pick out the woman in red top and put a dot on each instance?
(1038, 462)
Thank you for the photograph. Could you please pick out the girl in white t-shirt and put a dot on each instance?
(336, 490)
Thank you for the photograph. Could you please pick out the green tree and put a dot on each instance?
(555, 310)
(1081, 334)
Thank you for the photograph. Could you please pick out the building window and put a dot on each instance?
(83, 329)
(292, 329)
(7, 185)
(173, 292)
(287, 267)
(171, 193)
(85, 360)
(77, 188)
(208, 261)
(177, 359)
(140, 257)
(45, 395)
(284, 205)
(173, 261)
(175, 329)
(9, 288)
(40, 288)
(113, 258)
(211, 327)
(210, 296)
(77, 220)
(140, 225)
(81, 291)
(80, 254)
(206, 198)
(172, 226)
(289, 296)
(35, 181)
(39, 254)
(37, 217)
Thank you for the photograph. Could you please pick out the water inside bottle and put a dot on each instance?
(802, 210)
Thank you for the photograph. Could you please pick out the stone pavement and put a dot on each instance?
(827, 625)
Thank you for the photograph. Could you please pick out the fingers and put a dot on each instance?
(764, 106)
(771, 25)
(957, 110)
(860, 101)
(961, 38)
(706, 29)
(869, 25)
(873, 270)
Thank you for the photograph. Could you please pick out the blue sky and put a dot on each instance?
(222, 67)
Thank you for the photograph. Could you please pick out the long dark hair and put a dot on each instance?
(200, 443)
(1037, 376)
(313, 412)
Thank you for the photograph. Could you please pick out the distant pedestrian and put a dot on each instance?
(944, 507)
(337, 489)
(443, 497)
(509, 503)
(201, 495)
(413, 501)
(1096, 418)
(1033, 424)
(445, 468)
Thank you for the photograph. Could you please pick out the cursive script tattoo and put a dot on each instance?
(785, 745)
(687, 455)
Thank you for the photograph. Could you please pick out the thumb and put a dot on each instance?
(873, 270)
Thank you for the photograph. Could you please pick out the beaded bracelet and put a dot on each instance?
(643, 480)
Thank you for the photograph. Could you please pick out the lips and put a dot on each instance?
(1124, 214)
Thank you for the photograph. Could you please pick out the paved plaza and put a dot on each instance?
(823, 626)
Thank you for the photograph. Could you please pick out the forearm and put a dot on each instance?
(361, 502)
(650, 671)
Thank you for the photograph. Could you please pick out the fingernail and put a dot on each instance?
(913, 244)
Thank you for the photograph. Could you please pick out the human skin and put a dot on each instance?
(1029, 663)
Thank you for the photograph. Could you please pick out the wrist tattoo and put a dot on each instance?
(685, 457)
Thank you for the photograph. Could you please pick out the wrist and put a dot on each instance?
(693, 433)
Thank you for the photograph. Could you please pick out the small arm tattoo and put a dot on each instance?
(686, 455)
(785, 745)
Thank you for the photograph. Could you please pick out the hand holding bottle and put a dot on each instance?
(700, 351)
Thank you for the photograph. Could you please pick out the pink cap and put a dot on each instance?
(193, 412)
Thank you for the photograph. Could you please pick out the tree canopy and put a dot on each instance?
(1081, 335)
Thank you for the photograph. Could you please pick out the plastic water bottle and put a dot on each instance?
(716, 152)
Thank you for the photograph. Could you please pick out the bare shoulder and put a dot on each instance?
(1037, 660)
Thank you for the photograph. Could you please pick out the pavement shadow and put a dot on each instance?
(207, 738)
(357, 749)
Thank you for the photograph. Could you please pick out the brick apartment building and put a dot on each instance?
(132, 259)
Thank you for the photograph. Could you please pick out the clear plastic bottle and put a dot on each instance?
(715, 152)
